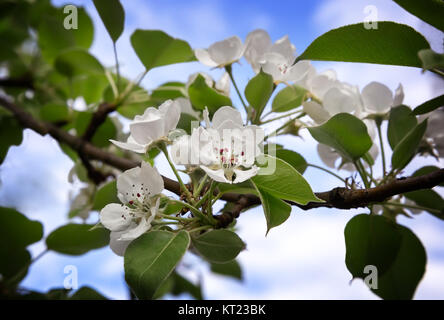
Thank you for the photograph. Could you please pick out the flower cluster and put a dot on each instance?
(225, 149)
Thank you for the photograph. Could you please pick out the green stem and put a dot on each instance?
(362, 172)
(200, 228)
(198, 190)
(280, 117)
(402, 205)
(230, 73)
(117, 66)
(326, 170)
(187, 192)
(197, 213)
(378, 125)
(220, 194)
(210, 196)
(165, 216)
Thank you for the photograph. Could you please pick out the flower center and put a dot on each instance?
(229, 160)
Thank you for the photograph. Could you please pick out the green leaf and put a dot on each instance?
(245, 187)
(16, 233)
(105, 195)
(292, 158)
(276, 210)
(431, 11)
(346, 134)
(151, 258)
(431, 59)
(218, 246)
(155, 48)
(54, 113)
(90, 87)
(288, 98)
(11, 133)
(87, 293)
(258, 91)
(391, 43)
(17, 230)
(401, 121)
(430, 199)
(75, 62)
(183, 285)
(426, 170)
(201, 96)
(284, 182)
(113, 16)
(407, 147)
(168, 90)
(370, 240)
(53, 38)
(230, 269)
(402, 278)
(185, 122)
(77, 239)
(429, 105)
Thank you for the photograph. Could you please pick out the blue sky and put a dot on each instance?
(303, 258)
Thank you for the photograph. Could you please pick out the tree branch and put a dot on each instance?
(340, 198)
(97, 119)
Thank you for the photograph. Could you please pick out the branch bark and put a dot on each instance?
(340, 198)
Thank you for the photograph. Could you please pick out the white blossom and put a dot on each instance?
(225, 149)
(151, 127)
(221, 53)
(139, 192)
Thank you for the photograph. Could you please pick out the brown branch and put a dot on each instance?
(340, 198)
(98, 118)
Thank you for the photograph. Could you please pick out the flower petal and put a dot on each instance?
(115, 217)
(284, 47)
(339, 99)
(171, 114)
(131, 145)
(204, 57)
(298, 71)
(116, 245)
(377, 97)
(224, 113)
(223, 84)
(226, 51)
(145, 132)
(256, 44)
(217, 175)
(243, 175)
(151, 179)
(399, 96)
(315, 111)
(136, 232)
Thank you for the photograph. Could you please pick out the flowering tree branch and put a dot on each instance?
(339, 198)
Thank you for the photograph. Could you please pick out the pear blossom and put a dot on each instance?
(276, 59)
(279, 60)
(377, 98)
(139, 192)
(340, 97)
(221, 53)
(151, 127)
(257, 43)
(225, 149)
